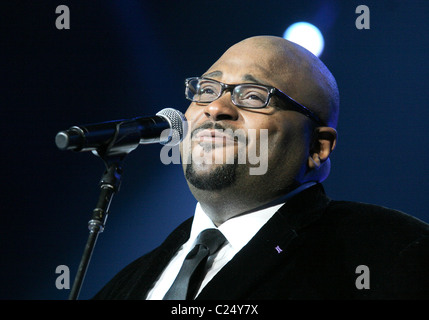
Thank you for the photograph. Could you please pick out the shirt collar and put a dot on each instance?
(240, 230)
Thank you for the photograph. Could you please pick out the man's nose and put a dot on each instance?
(221, 109)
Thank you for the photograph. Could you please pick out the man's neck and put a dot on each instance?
(221, 206)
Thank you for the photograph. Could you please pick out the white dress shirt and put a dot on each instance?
(238, 231)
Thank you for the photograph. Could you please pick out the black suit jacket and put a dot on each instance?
(310, 249)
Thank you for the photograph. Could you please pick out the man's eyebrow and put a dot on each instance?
(249, 78)
(213, 74)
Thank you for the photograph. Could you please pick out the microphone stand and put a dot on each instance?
(123, 142)
(109, 185)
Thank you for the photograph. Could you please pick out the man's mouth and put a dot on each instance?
(213, 136)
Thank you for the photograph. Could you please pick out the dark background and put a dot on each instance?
(122, 59)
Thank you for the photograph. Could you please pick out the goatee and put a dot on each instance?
(219, 178)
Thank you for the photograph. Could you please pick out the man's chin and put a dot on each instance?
(205, 169)
(210, 177)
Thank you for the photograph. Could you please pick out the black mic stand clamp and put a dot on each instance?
(113, 155)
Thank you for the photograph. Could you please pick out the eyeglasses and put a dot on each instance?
(245, 95)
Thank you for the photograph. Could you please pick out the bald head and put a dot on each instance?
(294, 70)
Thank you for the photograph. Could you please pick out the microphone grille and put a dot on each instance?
(178, 125)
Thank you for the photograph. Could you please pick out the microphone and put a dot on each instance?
(122, 136)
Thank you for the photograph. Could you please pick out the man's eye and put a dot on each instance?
(206, 90)
(253, 97)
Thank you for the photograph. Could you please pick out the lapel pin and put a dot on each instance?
(278, 249)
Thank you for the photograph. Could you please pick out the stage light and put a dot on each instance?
(307, 35)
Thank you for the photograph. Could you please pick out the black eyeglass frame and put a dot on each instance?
(296, 106)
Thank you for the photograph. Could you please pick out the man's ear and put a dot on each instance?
(324, 141)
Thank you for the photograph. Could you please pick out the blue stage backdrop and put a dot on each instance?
(128, 58)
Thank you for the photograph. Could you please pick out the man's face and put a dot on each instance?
(222, 132)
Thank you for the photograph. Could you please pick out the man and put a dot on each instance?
(283, 237)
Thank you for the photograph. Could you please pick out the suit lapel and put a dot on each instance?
(269, 250)
(238, 278)
(157, 260)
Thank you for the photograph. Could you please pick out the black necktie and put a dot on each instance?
(192, 271)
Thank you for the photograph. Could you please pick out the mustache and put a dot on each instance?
(238, 134)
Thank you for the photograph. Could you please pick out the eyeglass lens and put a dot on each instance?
(245, 95)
